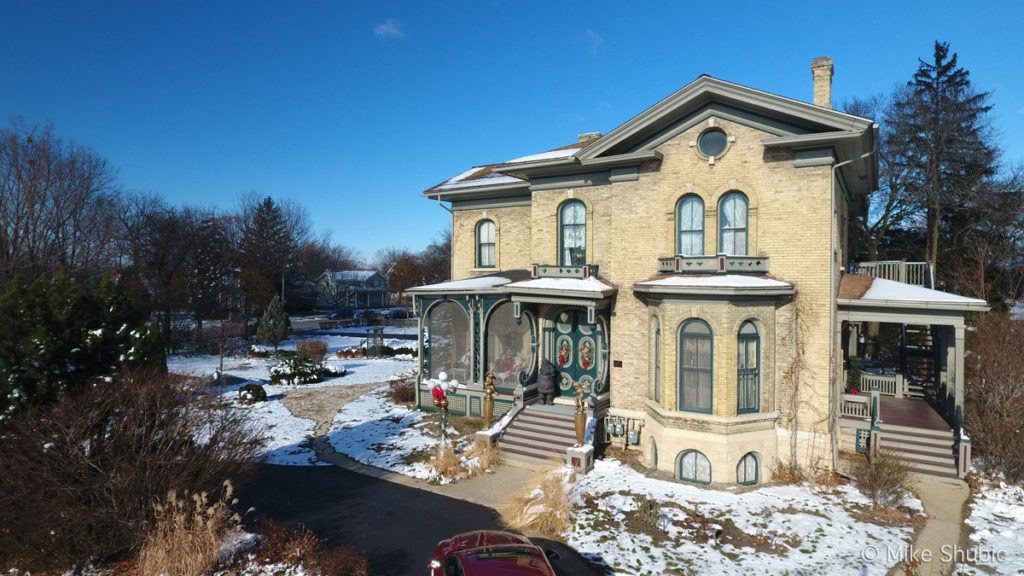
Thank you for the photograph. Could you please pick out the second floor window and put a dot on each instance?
(572, 219)
(732, 220)
(690, 221)
(485, 257)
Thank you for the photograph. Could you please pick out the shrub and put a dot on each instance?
(446, 463)
(79, 476)
(315, 350)
(187, 533)
(994, 400)
(853, 373)
(251, 394)
(59, 338)
(402, 391)
(787, 473)
(274, 324)
(883, 478)
(300, 547)
(543, 506)
(301, 370)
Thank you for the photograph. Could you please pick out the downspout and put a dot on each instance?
(833, 398)
(451, 257)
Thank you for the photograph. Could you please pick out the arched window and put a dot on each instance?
(695, 367)
(694, 467)
(690, 226)
(510, 348)
(656, 354)
(748, 471)
(732, 224)
(654, 454)
(485, 256)
(572, 222)
(748, 366)
(447, 341)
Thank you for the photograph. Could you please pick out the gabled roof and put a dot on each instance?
(353, 275)
(792, 123)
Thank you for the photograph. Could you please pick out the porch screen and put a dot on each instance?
(695, 367)
(509, 353)
(447, 341)
(732, 219)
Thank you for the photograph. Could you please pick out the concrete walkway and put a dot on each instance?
(944, 501)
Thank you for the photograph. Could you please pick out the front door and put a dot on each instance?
(576, 349)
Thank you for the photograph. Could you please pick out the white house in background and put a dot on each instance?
(352, 289)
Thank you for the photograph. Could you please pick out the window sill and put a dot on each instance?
(488, 269)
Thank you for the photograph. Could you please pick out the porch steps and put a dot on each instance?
(539, 434)
(923, 450)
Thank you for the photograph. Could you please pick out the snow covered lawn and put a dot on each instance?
(693, 530)
(358, 370)
(997, 530)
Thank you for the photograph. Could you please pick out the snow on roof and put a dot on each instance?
(477, 283)
(350, 275)
(549, 155)
(589, 284)
(882, 289)
(716, 281)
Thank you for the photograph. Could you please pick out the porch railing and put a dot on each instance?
(917, 273)
(885, 384)
(855, 406)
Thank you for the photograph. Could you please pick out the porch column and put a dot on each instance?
(958, 387)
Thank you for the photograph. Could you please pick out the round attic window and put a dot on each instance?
(712, 142)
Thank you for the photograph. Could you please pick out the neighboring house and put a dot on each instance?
(352, 289)
(689, 270)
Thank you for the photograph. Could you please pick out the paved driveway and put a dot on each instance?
(398, 526)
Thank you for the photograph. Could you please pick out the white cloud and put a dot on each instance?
(389, 28)
(595, 43)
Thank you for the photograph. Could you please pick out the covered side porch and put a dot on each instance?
(903, 372)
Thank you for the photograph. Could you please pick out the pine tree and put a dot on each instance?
(940, 141)
(274, 324)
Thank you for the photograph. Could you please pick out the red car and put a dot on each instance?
(490, 553)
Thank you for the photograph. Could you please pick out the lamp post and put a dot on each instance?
(581, 418)
(489, 391)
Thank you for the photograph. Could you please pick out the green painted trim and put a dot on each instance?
(679, 467)
(757, 469)
(480, 244)
(679, 230)
(561, 231)
(746, 224)
(740, 338)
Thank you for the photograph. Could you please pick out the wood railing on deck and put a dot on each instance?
(917, 273)
(885, 384)
(855, 406)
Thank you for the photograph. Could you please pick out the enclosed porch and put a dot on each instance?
(903, 372)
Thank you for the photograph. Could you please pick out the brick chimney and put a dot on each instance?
(588, 137)
(822, 71)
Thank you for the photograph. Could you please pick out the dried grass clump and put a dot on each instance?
(787, 473)
(487, 453)
(543, 507)
(300, 547)
(187, 533)
(315, 350)
(883, 478)
(402, 390)
(447, 463)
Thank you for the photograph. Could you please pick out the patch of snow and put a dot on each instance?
(549, 155)
(589, 284)
(997, 524)
(717, 281)
(831, 539)
(491, 179)
(477, 283)
(882, 289)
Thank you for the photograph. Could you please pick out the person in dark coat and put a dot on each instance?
(546, 378)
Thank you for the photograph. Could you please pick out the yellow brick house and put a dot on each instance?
(687, 270)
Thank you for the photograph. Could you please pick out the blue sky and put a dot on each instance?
(354, 109)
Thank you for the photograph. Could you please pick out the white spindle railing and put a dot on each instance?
(855, 406)
(917, 273)
(885, 384)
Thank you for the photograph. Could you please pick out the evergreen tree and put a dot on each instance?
(267, 245)
(274, 324)
(941, 142)
(60, 338)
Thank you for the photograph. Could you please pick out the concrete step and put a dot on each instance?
(537, 438)
(543, 454)
(543, 431)
(534, 415)
(544, 421)
(932, 469)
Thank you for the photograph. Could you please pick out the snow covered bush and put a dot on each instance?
(251, 394)
(59, 338)
(79, 476)
(299, 369)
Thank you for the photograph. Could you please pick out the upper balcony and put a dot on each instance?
(715, 264)
(916, 273)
